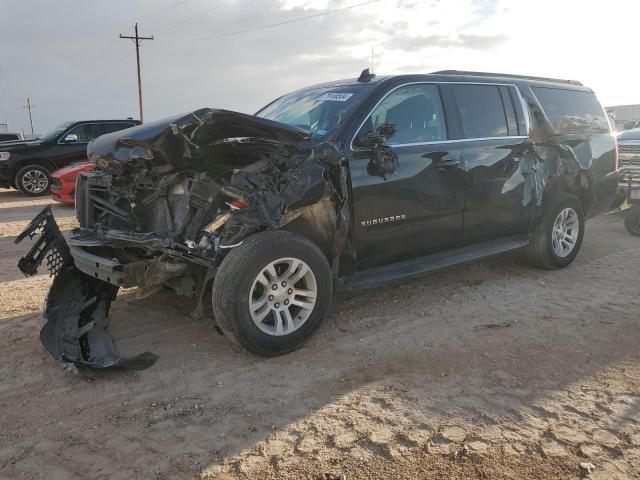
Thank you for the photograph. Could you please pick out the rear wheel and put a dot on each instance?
(272, 292)
(33, 180)
(632, 221)
(557, 236)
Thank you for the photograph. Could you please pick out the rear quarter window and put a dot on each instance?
(572, 111)
(4, 137)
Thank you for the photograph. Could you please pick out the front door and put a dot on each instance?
(419, 209)
(65, 153)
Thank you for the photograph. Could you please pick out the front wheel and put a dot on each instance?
(632, 221)
(272, 292)
(557, 236)
(33, 180)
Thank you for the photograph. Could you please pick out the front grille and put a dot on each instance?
(633, 149)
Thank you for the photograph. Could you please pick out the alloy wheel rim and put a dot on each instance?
(283, 296)
(35, 181)
(565, 232)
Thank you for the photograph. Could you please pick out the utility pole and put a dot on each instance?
(28, 106)
(137, 40)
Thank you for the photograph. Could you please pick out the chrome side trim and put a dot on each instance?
(460, 140)
(511, 85)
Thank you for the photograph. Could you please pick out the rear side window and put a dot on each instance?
(115, 126)
(415, 111)
(572, 111)
(482, 111)
(8, 136)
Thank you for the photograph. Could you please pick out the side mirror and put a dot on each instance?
(363, 140)
(70, 138)
(376, 138)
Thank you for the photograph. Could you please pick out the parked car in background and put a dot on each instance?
(63, 181)
(629, 151)
(629, 158)
(10, 137)
(27, 165)
(345, 185)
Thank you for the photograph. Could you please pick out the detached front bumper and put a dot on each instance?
(77, 305)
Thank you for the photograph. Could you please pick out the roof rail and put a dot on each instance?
(506, 75)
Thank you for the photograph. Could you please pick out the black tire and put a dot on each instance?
(541, 251)
(234, 280)
(632, 221)
(31, 189)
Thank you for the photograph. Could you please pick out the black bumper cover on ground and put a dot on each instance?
(77, 305)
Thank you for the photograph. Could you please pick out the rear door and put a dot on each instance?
(491, 127)
(417, 210)
(110, 127)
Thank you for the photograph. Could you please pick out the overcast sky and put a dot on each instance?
(66, 54)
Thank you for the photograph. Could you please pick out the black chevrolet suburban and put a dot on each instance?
(27, 164)
(339, 186)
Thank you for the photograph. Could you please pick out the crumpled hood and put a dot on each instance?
(208, 139)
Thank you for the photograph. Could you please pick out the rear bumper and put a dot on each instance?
(605, 192)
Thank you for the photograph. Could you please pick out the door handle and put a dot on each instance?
(447, 164)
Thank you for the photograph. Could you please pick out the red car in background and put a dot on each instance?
(63, 181)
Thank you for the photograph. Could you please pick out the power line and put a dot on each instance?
(165, 9)
(138, 39)
(272, 25)
(185, 20)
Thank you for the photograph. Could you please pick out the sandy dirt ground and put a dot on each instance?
(490, 371)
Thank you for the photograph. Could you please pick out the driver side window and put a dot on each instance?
(415, 111)
(87, 132)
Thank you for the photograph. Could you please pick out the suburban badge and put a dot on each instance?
(380, 221)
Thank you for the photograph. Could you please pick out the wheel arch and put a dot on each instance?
(41, 162)
(578, 185)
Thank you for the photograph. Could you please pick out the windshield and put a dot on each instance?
(52, 134)
(318, 110)
(630, 135)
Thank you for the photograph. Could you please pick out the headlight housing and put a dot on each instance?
(5, 156)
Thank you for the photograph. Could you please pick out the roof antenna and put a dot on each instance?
(366, 76)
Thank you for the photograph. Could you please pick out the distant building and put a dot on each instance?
(622, 114)
(3, 127)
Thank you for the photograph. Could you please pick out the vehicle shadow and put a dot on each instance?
(484, 344)
(10, 197)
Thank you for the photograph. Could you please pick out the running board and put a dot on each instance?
(430, 263)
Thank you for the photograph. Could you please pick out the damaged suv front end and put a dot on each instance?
(165, 204)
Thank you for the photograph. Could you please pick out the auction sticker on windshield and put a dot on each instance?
(336, 97)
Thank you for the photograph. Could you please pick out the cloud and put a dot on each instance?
(71, 62)
(469, 41)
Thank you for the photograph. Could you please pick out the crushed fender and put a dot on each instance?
(166, 203)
